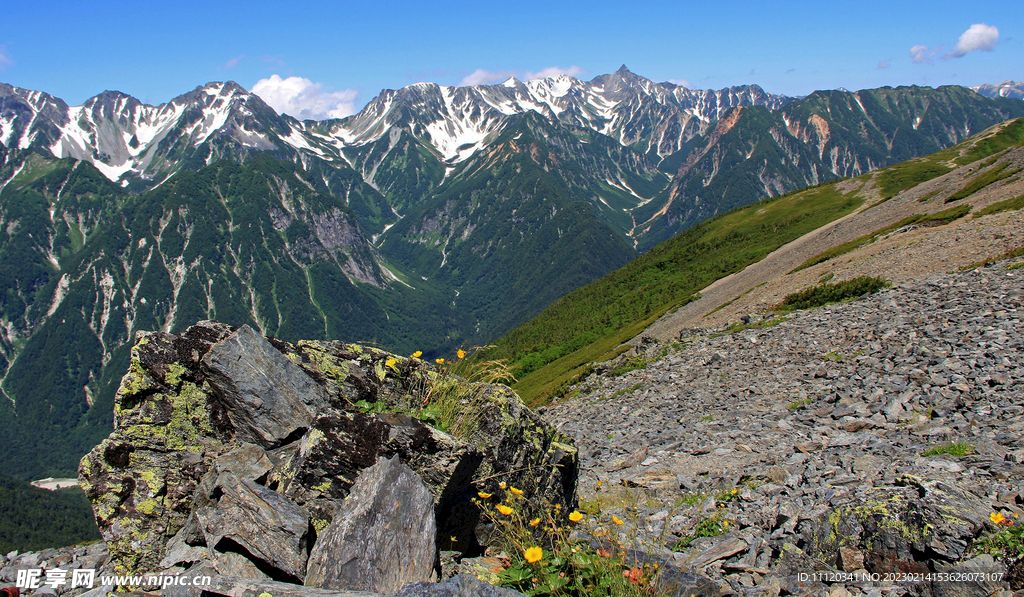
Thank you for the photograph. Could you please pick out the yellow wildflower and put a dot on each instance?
(725, 523)
(534, 554)
(600, 483)
(516, 491)
(997, 517)
(483, 495)
(461, 353)
(502, 485)
(417, 354)
(534, 522)
(504, 509)
(616, 520)
(575, 516)
(439, 361)
(390, 362)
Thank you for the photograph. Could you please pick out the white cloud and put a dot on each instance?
(979, 37)
(920, 54)
(883, 65)
(234, 62)
(554, 71)
(485, 77)
(681, 83)
(304, 99)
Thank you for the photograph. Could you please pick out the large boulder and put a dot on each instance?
(386, 537)
(212, 424)
(906, 528)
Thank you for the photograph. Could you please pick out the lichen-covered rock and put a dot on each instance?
(167, 432)
(905, 528)
(301, 421)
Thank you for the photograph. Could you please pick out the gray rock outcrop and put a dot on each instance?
(236, 455)
(384, 538)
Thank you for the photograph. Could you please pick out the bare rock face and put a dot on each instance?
(259, 522)
(384, 539)
(235, 453)
(267, 398)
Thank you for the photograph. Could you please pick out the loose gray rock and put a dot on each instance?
(267, 398)
(384, 538)
(461, 585)
(264, 523)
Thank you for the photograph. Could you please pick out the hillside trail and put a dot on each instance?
(899, 257)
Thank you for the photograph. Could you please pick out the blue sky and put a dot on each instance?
(330, 58)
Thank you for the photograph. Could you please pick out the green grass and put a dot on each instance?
(628, 390)
(1007, 205)
(824, 294)
(957, 449)
(981, 181)
(587, 325)
(939, 218)
(797, 405)
(711, 526)
(1008, 542)
(1011, 135)
(903, 176)
(1018, 252)
(630, 364)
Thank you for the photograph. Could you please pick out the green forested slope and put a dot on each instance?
(585, 325)
(32, 519)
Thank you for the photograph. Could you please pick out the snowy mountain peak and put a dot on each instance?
(128, 140)
(1010, 89)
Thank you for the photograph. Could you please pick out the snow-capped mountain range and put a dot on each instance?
(128, 140)
(1005, 89)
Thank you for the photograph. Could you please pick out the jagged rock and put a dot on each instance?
(267, 398)
(196, 406)
(722, 549)
(263, 523)
(979, 577)
(384, 538)
(462, 585)
(337, 447)
(907, 528)
(141, 479)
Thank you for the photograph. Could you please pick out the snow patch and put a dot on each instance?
(59, 294)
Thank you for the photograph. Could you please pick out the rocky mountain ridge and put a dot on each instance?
(122, 137)
(1004, 89)
(427, 254)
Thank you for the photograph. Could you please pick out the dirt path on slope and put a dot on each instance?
(899, 257)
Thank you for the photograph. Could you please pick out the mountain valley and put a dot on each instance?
(435, 218)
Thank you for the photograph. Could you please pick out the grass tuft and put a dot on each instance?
(824, 294)
(957, 449)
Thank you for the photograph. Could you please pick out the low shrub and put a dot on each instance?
(824, 294)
